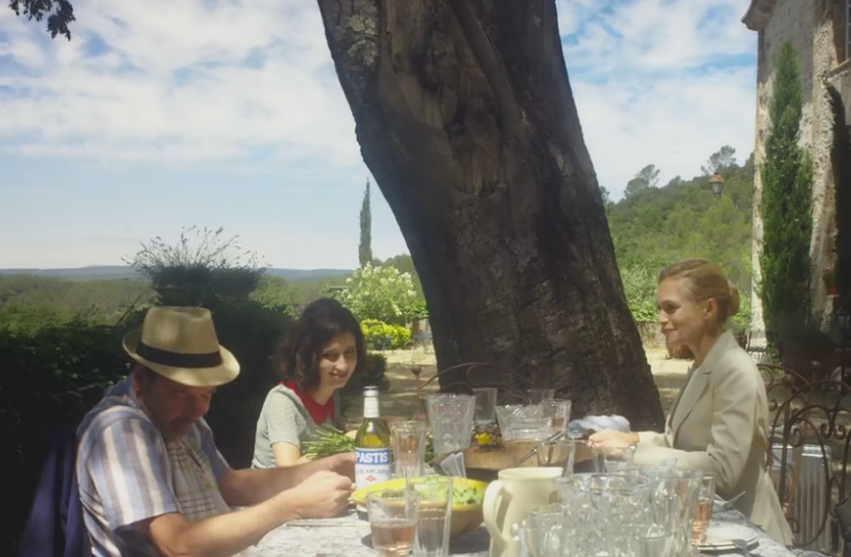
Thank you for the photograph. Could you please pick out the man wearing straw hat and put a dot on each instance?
(151, 479)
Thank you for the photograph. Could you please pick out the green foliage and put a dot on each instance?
(273, 291)
(741, 322)
(365, 245)
(405, 264)
(51, 377)
(841, 159)
(639, 284)
(646, 178)
(375, 371)
(786, 207)
(59, 14)
(384, 336)
(721, 161)
(371, 374)
(57, 359)
(381, 293)
(683, 219)
(201, 268)
(29, 303)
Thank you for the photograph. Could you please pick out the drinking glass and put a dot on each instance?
(682, 489)
(435, 515)
(649, 529)
(409, 442)
(537, 395)
(558, 411)
(705, 504)
(541, 531)
(597, 507)
(523, 421)
(561, 452)
(485, 405)
(619, 459)
(393, 521)
(451, 419)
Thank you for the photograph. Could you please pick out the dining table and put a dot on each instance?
(349, 535)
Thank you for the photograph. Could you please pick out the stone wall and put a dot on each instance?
(810, 25)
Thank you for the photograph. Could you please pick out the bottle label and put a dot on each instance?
(372, 466)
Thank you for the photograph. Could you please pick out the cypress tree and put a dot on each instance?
(786, 207)
(365, 246)
(841, 158)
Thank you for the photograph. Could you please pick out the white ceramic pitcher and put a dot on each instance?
(507, 499)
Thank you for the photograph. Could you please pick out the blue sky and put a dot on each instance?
(161, 114)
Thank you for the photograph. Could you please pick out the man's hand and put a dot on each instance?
(325, 494)
(613, 439)
(342, 464)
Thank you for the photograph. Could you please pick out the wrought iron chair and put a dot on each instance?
(755, 344)
(809, 426)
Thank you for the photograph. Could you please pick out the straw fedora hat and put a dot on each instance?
(180, 343)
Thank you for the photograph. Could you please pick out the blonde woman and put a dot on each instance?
(718, 423)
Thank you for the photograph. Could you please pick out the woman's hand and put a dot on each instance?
(613, 439)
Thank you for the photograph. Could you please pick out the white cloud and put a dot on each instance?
(194, 81)
(174, 84)
(654, 85)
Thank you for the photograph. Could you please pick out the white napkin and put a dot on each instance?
(577, 428)
(453, 465)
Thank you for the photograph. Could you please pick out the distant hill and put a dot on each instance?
(123, 272)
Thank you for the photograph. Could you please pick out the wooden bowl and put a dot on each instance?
(464, 517)
(484, 463)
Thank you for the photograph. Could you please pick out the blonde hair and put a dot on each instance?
(705, 280)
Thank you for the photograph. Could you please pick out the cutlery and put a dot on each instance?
(742, 546)
(326, 522)
(722, 505)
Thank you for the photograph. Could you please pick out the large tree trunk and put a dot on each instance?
(466, 119)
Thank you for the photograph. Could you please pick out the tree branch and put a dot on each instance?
(59, 14)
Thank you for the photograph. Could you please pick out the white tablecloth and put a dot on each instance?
(350, 537)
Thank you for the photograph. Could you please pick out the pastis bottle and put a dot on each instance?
(373, 458)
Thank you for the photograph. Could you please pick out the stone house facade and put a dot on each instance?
(821, 33)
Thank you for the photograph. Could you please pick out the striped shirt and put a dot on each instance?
(128, 473)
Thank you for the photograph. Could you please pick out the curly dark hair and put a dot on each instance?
(297, 354)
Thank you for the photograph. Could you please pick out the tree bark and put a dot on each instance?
(466, 118)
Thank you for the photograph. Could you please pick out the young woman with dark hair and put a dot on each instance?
(314, 360)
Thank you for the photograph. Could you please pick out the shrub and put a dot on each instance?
(841, 159)
(639, 282)
(202, 268)
(383, 336)
(381, 293)
(55, 360)
(786, 208)
(373, 374)
(51, 377)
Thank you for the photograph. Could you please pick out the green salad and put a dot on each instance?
(466, 496)
(460, 495)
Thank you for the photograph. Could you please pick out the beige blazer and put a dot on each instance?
(718, 424)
